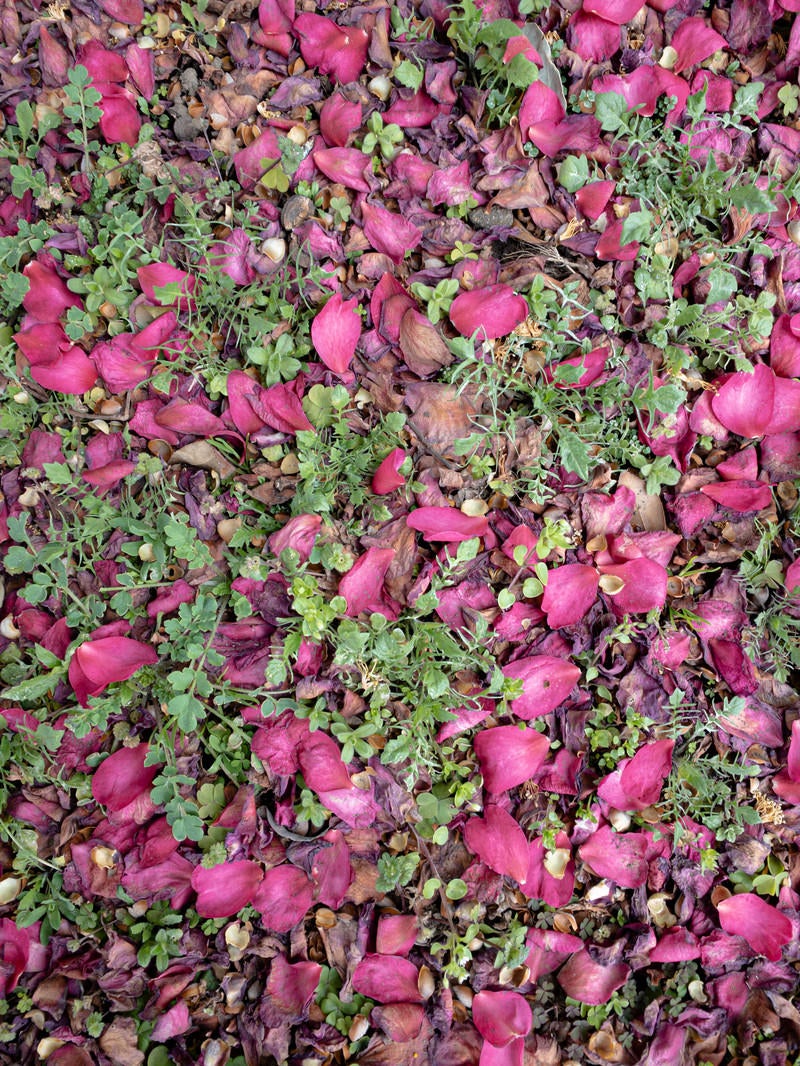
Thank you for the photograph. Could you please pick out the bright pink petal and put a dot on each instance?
(387, 477)
(593, 198)
(500, 1017)
(347, 166)
(592, 37)
(546, 683)
(792, 579)
(73, 374)
(611, 248)
(621, 857)
(638, 783)
(335, 331)
(793, 759)
(397, 934)
(784, 346)
(498, 842)
(389, 232)
(106, 477)
(588, 981)
(321, 763)
(283, 898)
(252, 162)
(14, 954)
(362, 585)
(122, 777)
(495, 310)
(155, 277)
(387, 979)
(743, 466)
(120, 121)
(739, 495)
(342, 53)
(540, 883)
(291, 985)
(275, 18)
(592, 366)
(48, 297)
(97, 663)
(569, 593)
(764, 927)
(786, 408)
(447, 524)
(339, 119)
(694, 40)
(299, 534)
(644, 586)
(617, 11)
(676, 945)
(744, 403)
(508, 756)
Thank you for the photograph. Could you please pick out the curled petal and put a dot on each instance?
(98, 663)
(447, 524)
(387, 477)
(362, 585)
(744, 402)
(638, 783)
(335, 331)
(122, 777)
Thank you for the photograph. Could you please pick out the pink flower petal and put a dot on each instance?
(389, 232)
(739, 495)
(569, 593)
(223, 890)
(644, 586)
(784, 346)
(253, 161)
(275, 18)
(362, 585)
(508, 756)
(793, 758)
(676, 945)
(283, 898)
(792, 579)
(48, 297)
(339, 119)
(387, 477)
(610, 246)
(500, 1017)
(356, 807)
(335, 331)
(593, 198)
(172, 1023)
(592, 37)
(743, 466)
(546, 683)
(548, 949)
(397, 934)
(98, 663)
(347, 166)
(587, 981)
(401, 1022)
(495, 311)
(321, 762)
(730, 660)
(498, 842)
(120, 121)
(387, 979)
(291, 985)
(617, 11)
(342, 53)
(332, 871)
(786, 408)
(447, 524)
(764, 927)
(299, 534)
(744, 403)
(14, 954)
(123, 777)
(638, 783)
(54, 60)
(540, 883)
(592, 366)
(694, 40)
(621, 857)
(155, 277)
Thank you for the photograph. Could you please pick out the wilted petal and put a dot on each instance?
(592, 366)
(744, 403)
(14, 954)
(569, 593)
(611, 248)
(498, 842)
(742, 466)
(170, 598)
(400, 1021)
(172, 1023)
(252, 162)
(495, 311)
(638, 783)
(122, 777)
(335, 331)
(500, 1017)
(413, 111)
(280, 407)
(139, 62)
(621, 857)
(587, 981)
(546, 682)
(97, 663)
(106, 477)
(291, 985)
(54, 60)
(694, 40)
(548, 949)
(508, 756)
(644, 586)
(397, 934)
(283, 898)
(129, 11)
(362, 585)
(764, 927)
(356, 807)
(447, 524)
(732, 663)
(739, 495)
(387, 979)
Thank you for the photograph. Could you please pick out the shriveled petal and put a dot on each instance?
(400, 1021)
(499, 842)
(123, 776)
(588, 981)
(501, 1016)
(742, 466)
(387, 979)
(389, 232)
(347, 166)
(764, 927)
(569, 593)
(546, 682)
(335, 331)
(621, 857)
(495, 311)
(283, 898)
(447, 524)
(508, 756)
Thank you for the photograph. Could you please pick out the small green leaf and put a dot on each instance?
(456, 889)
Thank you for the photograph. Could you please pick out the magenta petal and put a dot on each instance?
(155, 277)
(447, 524)
(784, 346)
(498, 842)
(387, 477)
(500, 1017)
(539, 104)
(546, 682)
(280, 407)
(223, 890)
(786, 408)
(739, 495)
(122, 777)
(335, 331)
(495, 310)
(569, 593)
(120, 122)
(508, 756)
(15, 949)
(587, 981)
(283, 898)
(638, 783)
(342, 53)
(128, 11)
(291, 985)
(644, 586)
(48, 297)
(73, 374)
(621, 857)
(347, 166)
(355, 807)
(793, 758)
(592, 38)
(97, 663)
(610, 246)
(389, 232)
(744, 403)
(540, 883)
(616, 11)
(275, 17)
(732, 663)
(299, 534)
(253, 161)
(764, 927)
(54, 60)
(106, 477)
(743, 466)
(338, 119)
(593, 198)
(362, 585)
(387, 979)
(676, 945)
(397, 934)
(694, 40)
(321, 763)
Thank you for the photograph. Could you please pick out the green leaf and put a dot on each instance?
(506, 598)
(58, 473)
(609, 109)
(456, 889)
(25, 116)
(521, 72)
(19, 560)
(409, 74)
(574, 454)
(35, 687)
(637, 227)
(751, 199)
(573, 173)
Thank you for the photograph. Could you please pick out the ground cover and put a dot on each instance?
(400, 443)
